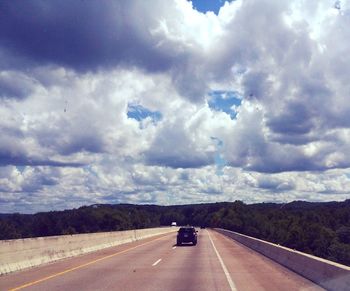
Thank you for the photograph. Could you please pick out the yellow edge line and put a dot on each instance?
(83, 265)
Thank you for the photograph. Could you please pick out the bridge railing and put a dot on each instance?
(18, 254)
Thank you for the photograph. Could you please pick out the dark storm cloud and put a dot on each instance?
(289, 164)
(72, 143)
(90, 144)
(8, 90)
(300, 139)
(6, 159)
(292, 159)
(39, 179)
(256, 85)
(275, 185)
(178, 161)
(11, 131)
(90, 36)
(16, 86)
(70, 138)
(14, 152)
(295, 120)
(83, 35)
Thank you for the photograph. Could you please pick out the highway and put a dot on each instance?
(215, 263)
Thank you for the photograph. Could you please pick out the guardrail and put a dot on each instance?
(327, 274)
(19, 254)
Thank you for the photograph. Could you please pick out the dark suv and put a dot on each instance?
(186, 234)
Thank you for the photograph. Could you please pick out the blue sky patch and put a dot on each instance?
(208, 5)
(225, 101)
(140, 113)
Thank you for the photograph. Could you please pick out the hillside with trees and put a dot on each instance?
(321, 229)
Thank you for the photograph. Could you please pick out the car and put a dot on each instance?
(202, 226)
(186, 234)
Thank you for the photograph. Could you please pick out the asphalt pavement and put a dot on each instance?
(215, 263)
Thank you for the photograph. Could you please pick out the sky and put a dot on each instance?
(173, 102)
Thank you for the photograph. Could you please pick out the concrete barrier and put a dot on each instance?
(19, 254)
(327, 274)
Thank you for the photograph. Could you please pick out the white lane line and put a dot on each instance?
(156, 263)
(174, 248)
(227, 274)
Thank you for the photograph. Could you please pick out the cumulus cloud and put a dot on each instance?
(90, 36)
(14, 85)
(287, 77)
(113, 102)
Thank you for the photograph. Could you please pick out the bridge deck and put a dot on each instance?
(215, 263)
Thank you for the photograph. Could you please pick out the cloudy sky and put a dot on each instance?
(173, 102)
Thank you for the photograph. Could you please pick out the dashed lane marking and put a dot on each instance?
(156, 262)
(83, 265)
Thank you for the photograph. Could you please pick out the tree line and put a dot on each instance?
(321, 229)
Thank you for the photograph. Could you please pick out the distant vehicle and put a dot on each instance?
(186, 235)
(173, 223)
(202, 226)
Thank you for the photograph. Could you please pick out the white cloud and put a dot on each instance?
(66, 139)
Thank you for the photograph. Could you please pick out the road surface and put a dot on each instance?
(215, 263)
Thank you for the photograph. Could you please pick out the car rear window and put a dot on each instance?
(186, 230)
